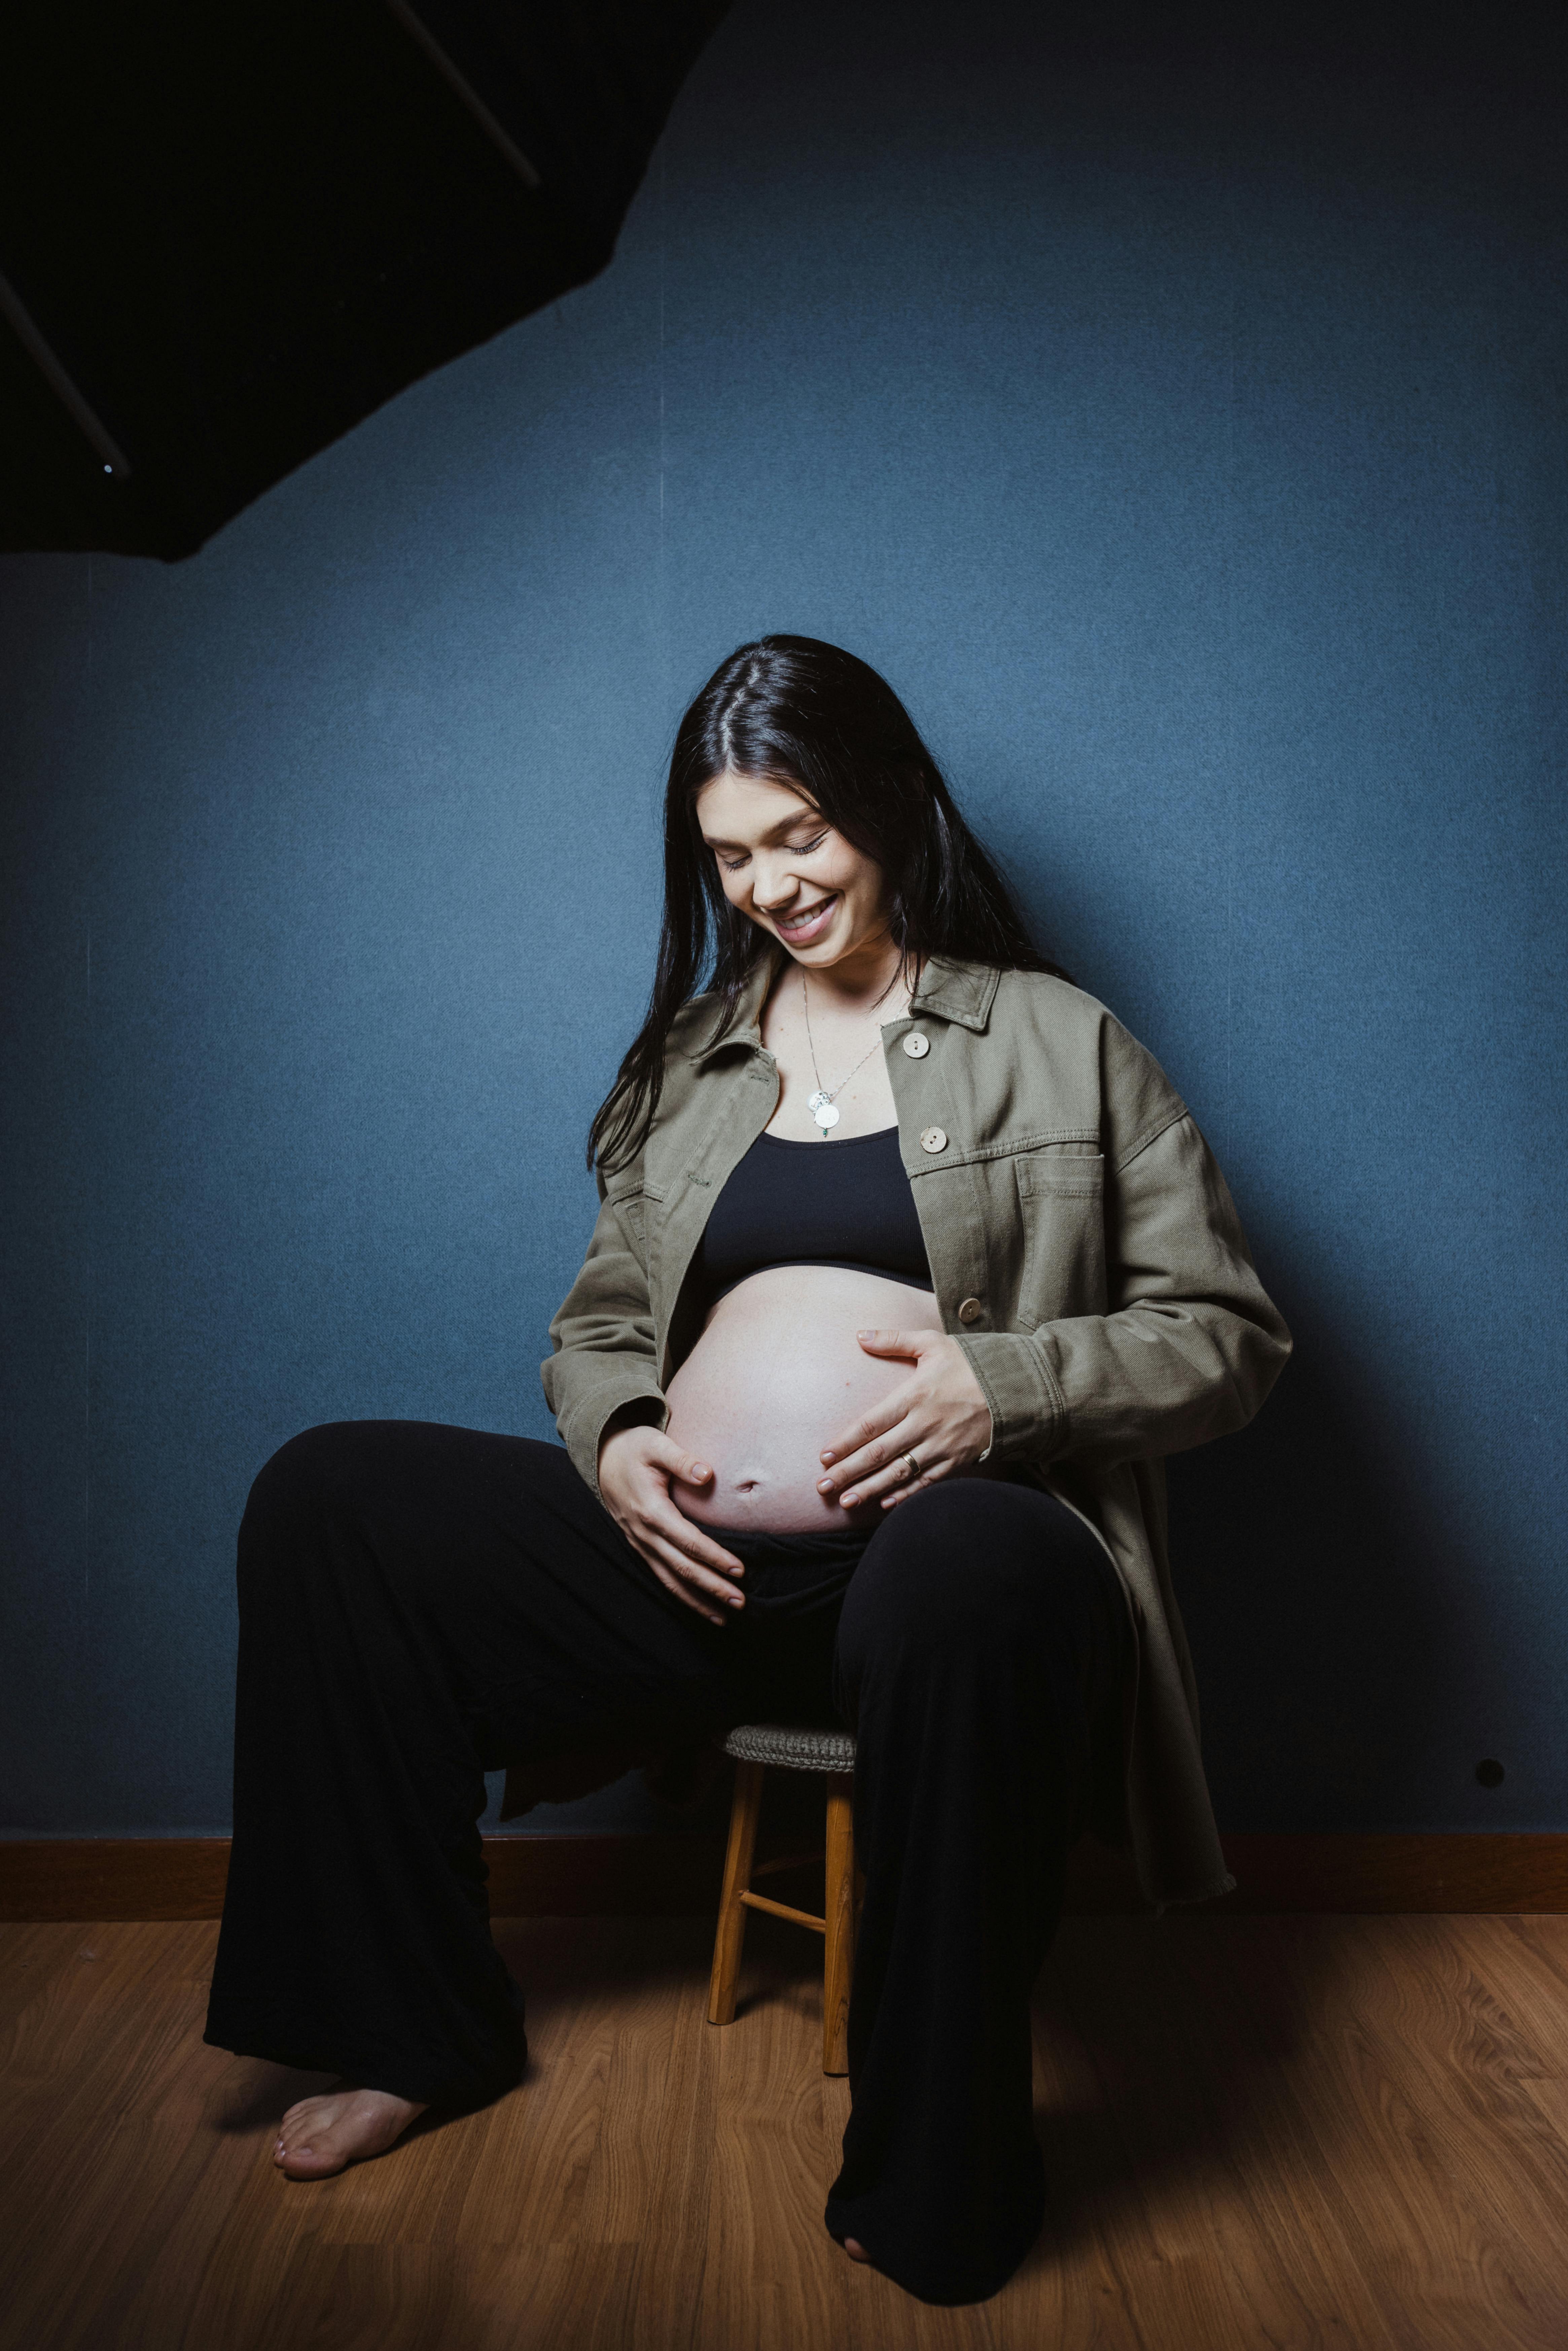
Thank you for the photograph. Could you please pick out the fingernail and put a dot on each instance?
(849, 1502)
(824, 1485)
(865, 1334)
(737, 1599)
(830, 1459)
(701, 1469)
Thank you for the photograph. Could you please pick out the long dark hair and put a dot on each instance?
(794, 711)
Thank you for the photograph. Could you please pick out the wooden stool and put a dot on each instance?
(756, 1745)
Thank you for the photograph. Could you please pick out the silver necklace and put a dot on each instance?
(822, 1104)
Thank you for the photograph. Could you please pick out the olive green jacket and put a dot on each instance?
(1073, 1212)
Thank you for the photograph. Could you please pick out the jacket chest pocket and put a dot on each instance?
(1061, 1206)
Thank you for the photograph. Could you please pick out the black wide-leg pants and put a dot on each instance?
(420, 1604)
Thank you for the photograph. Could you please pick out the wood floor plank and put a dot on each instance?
(374, 2297)
(68, 2153)
(653, 2155)
(1069, 2291)
(1526, 1962)
(80, 2002)
(1545, 1940)
(221, 2279)
(1472, 2054)
(29, 1957)
(1200, 2082)
(1263, 2134)
(86, 2231)
(1550, 2099)
(1446, 2270)
(1364, 2129)
(601, 2011)
(560, 2106)
(773, 2278)
(579, 2296)
(213, 2247)
(651, 2174)
(1275, 2207)
(1143, 2070)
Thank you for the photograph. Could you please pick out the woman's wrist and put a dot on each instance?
(642, 1412)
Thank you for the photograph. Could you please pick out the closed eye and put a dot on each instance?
(801, 849)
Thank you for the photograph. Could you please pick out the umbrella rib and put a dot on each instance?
(498, 138)
(38, 349)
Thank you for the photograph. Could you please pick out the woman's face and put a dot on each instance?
(784, 867)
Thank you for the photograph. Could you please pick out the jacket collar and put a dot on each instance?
(746, 1029)
(959, 992)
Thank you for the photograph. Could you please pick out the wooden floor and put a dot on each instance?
(1262, 2132)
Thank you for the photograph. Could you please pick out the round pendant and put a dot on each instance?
(825, 1112)
(814, 1102)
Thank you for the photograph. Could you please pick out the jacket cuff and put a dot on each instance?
(1028, 1415)
(582, 1429)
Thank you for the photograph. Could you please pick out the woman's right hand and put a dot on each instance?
(636, 1466)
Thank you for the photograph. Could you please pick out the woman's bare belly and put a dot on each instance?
(776, 1375)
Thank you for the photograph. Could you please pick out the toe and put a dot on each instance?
(310, 2162)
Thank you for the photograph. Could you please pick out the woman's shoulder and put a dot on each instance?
(1006, 1003)
(1044, 1001)
(1047, 996)
(694, 1024)
(1073, 1044)
(697, 1029)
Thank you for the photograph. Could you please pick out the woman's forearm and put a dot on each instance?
(605, 1358)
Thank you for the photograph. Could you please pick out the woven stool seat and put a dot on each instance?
(791, 1747)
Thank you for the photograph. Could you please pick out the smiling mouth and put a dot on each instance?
(793, 922)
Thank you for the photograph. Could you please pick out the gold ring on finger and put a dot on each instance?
(913, 1465)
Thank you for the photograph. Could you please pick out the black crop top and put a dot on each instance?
(844, 1204)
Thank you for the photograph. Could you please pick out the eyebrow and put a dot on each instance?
(785, 824)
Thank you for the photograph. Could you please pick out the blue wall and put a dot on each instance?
(1188, 448)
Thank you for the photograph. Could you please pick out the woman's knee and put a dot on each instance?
(305, 1469)
(972, 1566)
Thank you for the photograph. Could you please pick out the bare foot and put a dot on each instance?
(321, 2135)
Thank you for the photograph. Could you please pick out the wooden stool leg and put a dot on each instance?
(744, 1813)
(839, 1906)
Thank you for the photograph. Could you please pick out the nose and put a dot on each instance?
(774, 888)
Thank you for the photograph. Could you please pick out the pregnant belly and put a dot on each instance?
(776, 1375)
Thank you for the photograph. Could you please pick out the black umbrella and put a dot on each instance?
(228, 231)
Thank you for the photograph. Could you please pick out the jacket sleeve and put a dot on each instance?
(1191, 1344)
(603, 1338)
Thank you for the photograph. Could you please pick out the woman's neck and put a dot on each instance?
(871, 977)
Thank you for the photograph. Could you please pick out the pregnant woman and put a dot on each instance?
(909, 1265)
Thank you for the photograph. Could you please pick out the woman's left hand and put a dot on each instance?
(939, 1414)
